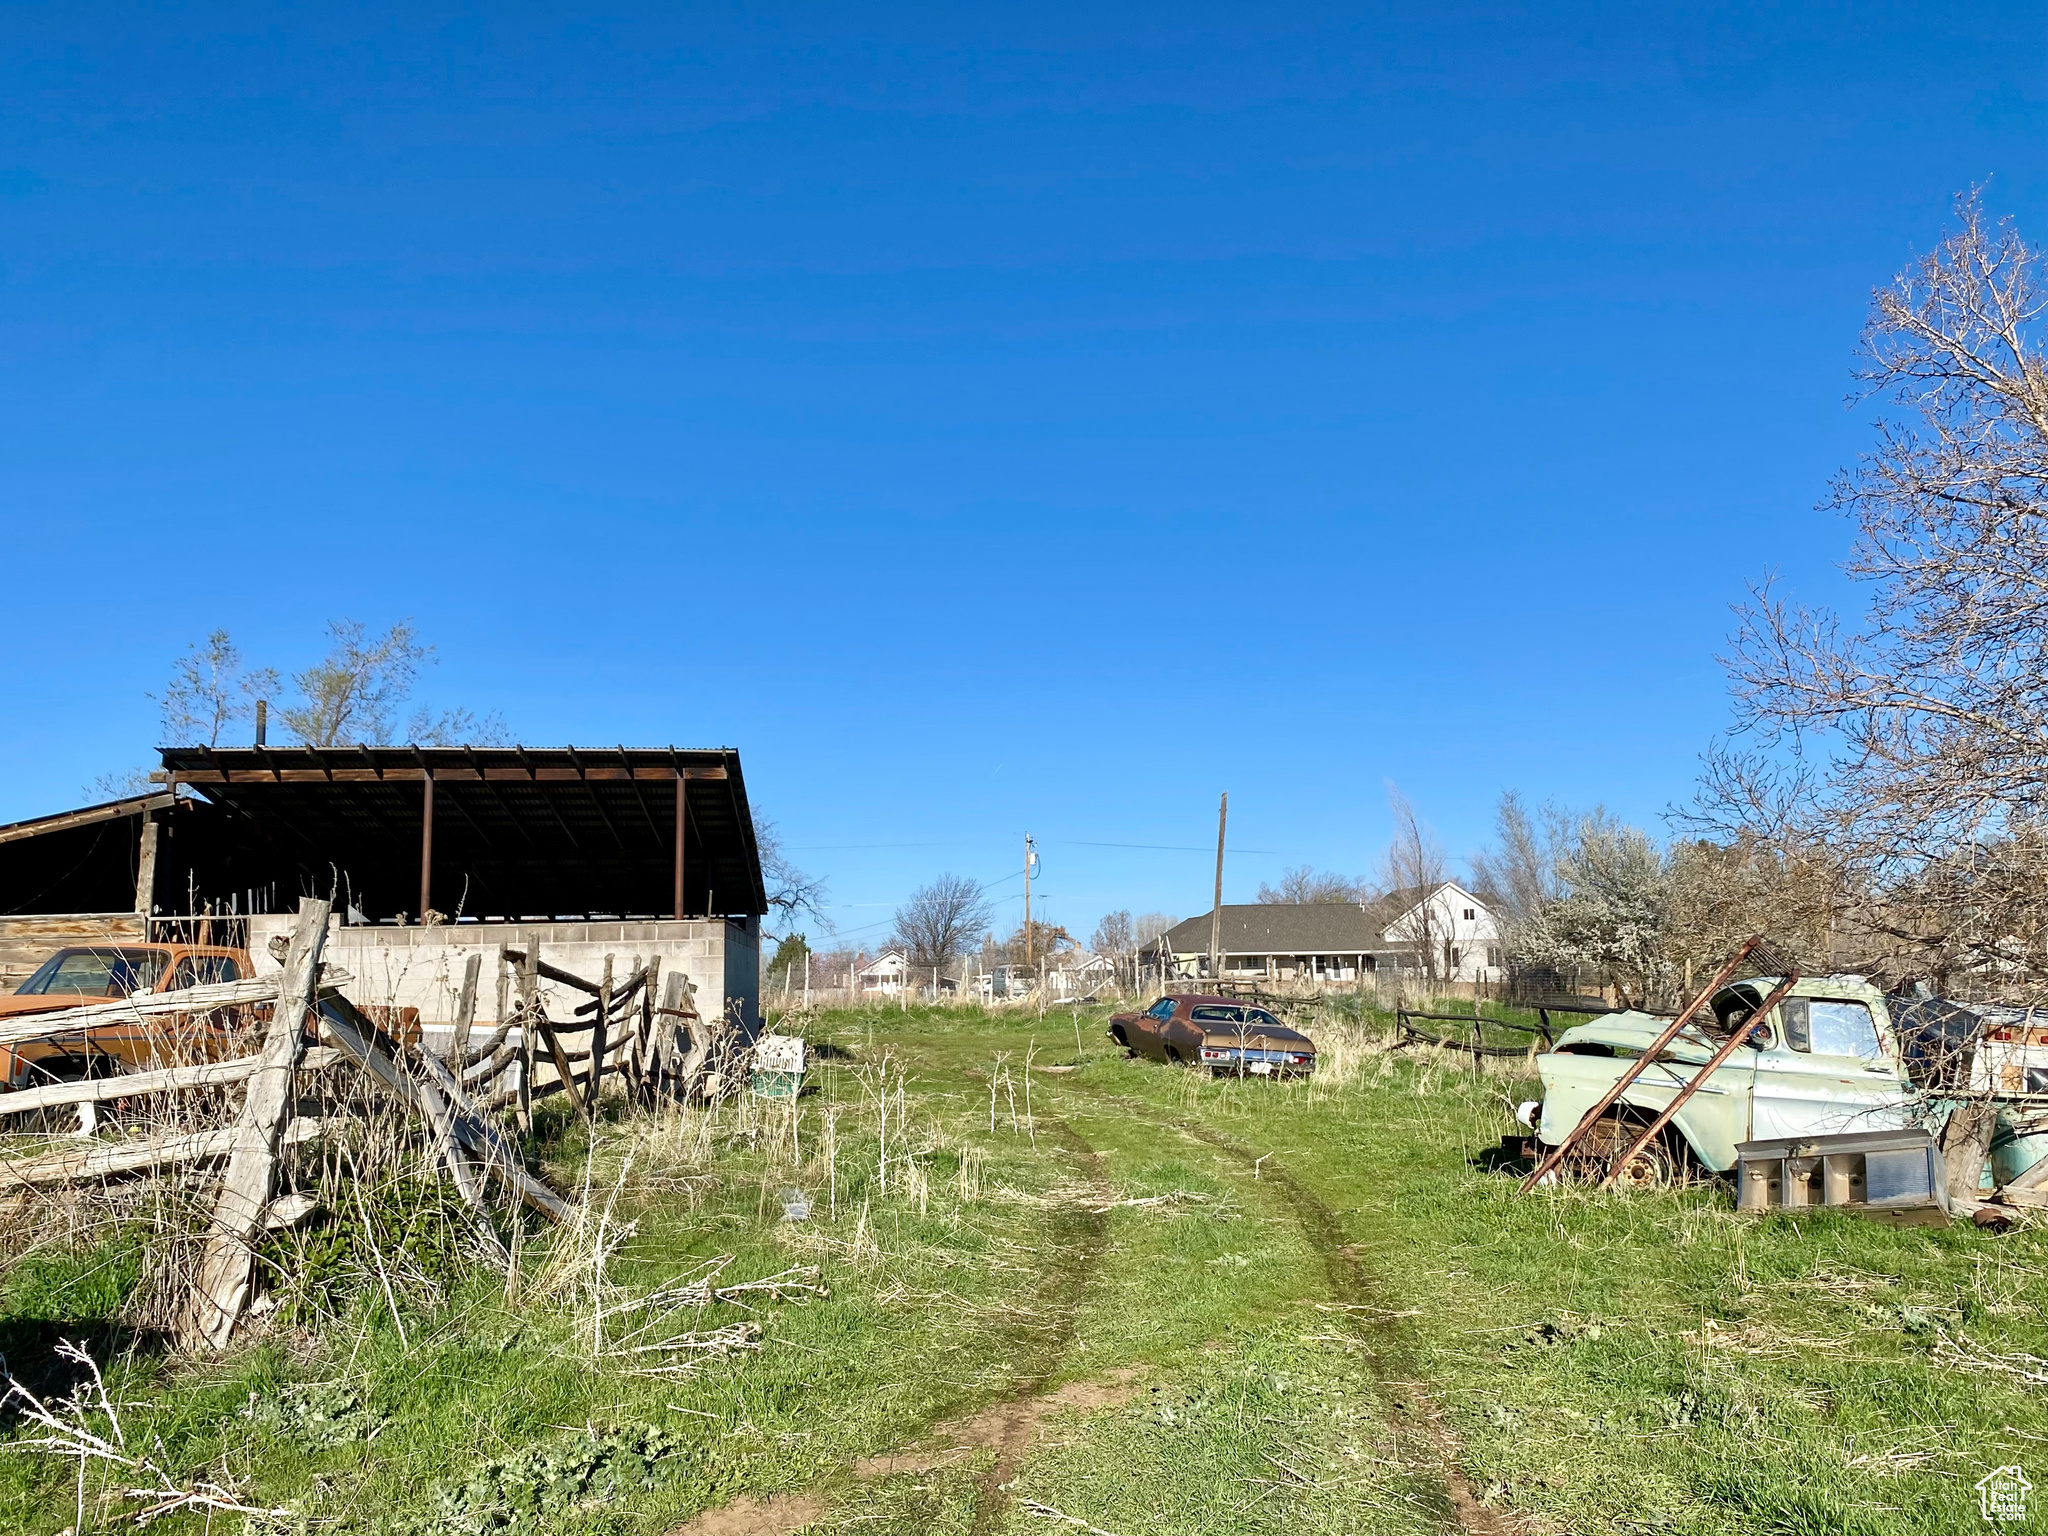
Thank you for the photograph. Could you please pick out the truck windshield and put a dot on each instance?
(95, 973)
(1843, 1029)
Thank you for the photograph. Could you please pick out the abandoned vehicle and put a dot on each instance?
(1826, 1061)
(78, 976)
(1231, 1039)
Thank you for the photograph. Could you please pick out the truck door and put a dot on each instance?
(1829, 1070)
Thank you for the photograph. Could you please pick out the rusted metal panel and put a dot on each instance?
(1736, 1039)
(137, 805)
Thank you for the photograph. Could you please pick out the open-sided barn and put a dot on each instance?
(429, 853)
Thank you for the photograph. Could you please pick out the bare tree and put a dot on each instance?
(1047, 940)
(939, 921)
(1721, 892)
(1910, 747)
(1413, 868)
(121, 785)
(1146, 930)
(791, 892)
(1147, 926)
(209, 691)
(1519, 874)
(1304, 886)
(1115, 941)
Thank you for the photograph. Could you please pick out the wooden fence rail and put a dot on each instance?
(132, 1085)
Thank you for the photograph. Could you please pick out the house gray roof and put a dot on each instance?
(1272, 928)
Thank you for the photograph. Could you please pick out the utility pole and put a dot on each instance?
(1027, 903)
(1216, 912)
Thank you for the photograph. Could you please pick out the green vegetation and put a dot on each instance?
(1208, 1306)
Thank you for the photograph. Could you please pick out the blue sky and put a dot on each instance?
(1036, 419)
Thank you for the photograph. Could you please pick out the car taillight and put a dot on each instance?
(1295, 1061)
(1209, 1055)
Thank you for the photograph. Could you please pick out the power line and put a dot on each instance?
(1162, 847)
(842, 847)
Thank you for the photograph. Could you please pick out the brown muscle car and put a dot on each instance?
(1228, 1037)
(73, 978)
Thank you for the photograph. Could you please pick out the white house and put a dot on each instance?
(888, 973)
(1458, 926)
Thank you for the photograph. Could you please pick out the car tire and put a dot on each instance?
(1652, 1168)
(1660, 1165)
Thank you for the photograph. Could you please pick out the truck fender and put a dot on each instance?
(1644, 1109)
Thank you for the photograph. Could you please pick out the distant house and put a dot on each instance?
(1334, 941)
(887, 973)
(1339, 941)
(1459, 928)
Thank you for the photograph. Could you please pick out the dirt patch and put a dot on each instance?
(777, 1515)
(1000, 1426)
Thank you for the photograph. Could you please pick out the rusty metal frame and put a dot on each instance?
(1636, 1068)
(1736, 1038)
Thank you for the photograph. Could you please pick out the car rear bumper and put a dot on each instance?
(1235, 1061)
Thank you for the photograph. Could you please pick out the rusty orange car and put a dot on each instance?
(1230, 1037)
(79, 976)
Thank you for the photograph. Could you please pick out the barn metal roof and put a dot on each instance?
(517, 831)
(85, 816)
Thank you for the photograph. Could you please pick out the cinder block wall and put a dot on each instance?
(413, 967)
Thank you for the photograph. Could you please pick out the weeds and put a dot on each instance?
(1606, 1365)
(64, 1429)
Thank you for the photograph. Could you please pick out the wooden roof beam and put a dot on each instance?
(602, 814)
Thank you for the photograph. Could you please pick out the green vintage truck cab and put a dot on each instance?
(1829, 1061)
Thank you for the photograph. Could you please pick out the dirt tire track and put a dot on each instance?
(1389, 1345)
(1390, 1348)
(1080, 1234)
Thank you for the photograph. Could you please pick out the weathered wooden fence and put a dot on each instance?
(281, 1034)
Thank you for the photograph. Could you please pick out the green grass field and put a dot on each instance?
(1098, 1292)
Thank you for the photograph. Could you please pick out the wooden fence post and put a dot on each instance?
(465, 1011)
(227, 1268)
(600, 1034)
(643, 1039)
